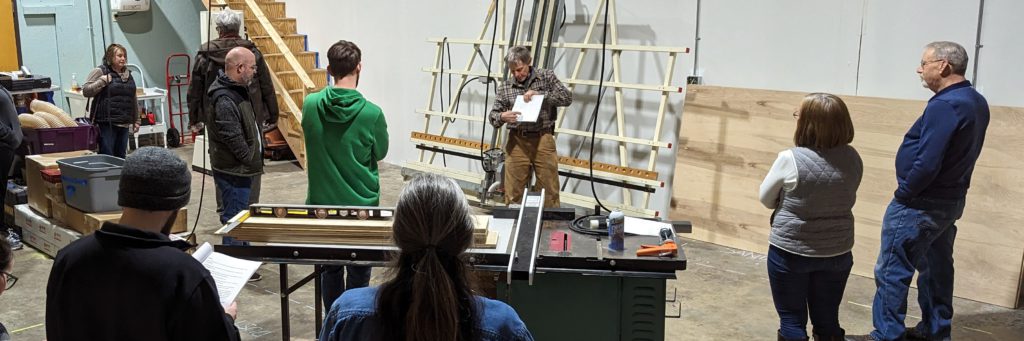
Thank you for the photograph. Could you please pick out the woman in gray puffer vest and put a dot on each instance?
(812, 188)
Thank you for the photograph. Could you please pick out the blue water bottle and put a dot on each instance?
(616, 230)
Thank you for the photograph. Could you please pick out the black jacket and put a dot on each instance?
(209, 64)
(122, 283)
(10, 127)
(236, 146)
(116, 103)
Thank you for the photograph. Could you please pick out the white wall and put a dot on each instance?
(848, 47)
(393, 40)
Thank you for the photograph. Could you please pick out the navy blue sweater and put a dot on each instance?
(938, 153)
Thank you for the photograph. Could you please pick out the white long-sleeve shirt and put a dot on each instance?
(782, 177)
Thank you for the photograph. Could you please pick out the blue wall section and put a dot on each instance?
(64, 37)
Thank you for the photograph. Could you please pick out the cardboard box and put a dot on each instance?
(34, 179)
(93, 221)
(54, 192)
(62, 237)
(21, 213)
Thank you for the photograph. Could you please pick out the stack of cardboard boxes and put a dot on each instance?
(48, 223)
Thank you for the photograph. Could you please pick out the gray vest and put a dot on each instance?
(816, 218)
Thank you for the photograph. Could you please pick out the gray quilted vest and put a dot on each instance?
(816, 218)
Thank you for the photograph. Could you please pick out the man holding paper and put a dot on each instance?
(527, 103)
(128, 280)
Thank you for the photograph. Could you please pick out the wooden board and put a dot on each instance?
(730, 137)
(336, 231)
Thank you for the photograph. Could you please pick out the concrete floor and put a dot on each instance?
(724, 295)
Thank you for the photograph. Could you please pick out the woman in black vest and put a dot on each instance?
(114, 106)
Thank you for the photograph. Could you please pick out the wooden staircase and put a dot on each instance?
(294, 70)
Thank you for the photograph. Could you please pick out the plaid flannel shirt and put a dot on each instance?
(545, 83)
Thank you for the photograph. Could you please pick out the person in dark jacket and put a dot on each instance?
(114, 106)
(236, 150)
(10, 139)
(933, 172)
(129, 281)
(209, 64)
(7, 280)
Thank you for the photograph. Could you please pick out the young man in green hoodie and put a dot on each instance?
(345, 137)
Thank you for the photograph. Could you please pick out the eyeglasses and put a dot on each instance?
(796, 114)
(11, 279)
(923, 62)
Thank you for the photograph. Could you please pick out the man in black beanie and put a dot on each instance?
(129, 281)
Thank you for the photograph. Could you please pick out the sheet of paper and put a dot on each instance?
(644, 227)
(529, 110)
(229, 273)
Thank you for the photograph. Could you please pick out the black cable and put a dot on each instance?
(600, 89)
(579, 227)
(202, 184)
(444, 45)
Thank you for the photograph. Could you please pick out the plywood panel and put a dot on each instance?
(730, 137)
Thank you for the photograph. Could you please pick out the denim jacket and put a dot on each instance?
(352, 318)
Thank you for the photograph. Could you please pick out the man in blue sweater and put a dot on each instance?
(933, 170)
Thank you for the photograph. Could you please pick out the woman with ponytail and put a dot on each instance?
(429, 295)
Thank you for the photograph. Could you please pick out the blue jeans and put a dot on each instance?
(916, 235)
(235, 194)
(113, 140)
(808, 284)
(331, 281)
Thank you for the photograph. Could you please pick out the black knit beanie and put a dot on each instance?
(154, 179)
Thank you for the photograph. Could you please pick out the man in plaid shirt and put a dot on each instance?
(529, 143)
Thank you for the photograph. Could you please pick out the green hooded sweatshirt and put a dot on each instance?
(345, 137)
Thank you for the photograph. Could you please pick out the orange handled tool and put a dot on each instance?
(667, 247)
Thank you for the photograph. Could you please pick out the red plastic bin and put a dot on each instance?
(56, 140)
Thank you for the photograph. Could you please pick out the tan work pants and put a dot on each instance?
(520, 153)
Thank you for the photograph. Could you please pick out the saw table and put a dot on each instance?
(560, 282)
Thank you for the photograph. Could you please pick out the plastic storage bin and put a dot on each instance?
(90, 182)
(56, 140)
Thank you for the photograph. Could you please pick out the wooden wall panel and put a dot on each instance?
(729, 138)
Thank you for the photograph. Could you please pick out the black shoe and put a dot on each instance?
(829, 338)
(255, 277)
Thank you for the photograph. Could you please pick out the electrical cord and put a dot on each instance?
(206, 143)
(600, 90)
(444, 45)
(579, 226)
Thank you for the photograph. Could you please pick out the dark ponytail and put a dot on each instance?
(429, 296)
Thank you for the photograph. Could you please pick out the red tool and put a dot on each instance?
(175, 84)
(667, 247)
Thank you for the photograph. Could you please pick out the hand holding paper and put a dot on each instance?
(229, 273)
(530, 110)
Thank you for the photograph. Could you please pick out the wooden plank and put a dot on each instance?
(498, 75)
(730, 137)
(563, 160)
